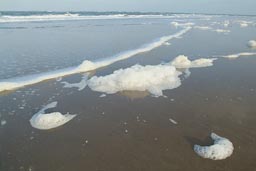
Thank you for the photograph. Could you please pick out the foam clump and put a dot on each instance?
(232, 56)
(151, 78)
(252, 43)
(87, 66)
(221, 149)
(44, 121)
(182, 61)
(80, 86)
(176, 24)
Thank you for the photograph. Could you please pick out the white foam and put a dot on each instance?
(244, 23)
(14, 83)
(232, 56)
(202, 27)
(252, 43)
(167, 43)
(151, 78)
(103, 95)
(3, 122)
(176, 24)
(221, 149)
(182, 61)
(80, 86)
(222, 31)
(226, 23)
(173, 121)
(44, 121)
(187, 73)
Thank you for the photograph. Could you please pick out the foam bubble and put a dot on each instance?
(252, 43)
(221, 149)
(182, 61)
(14, 83)
(151, 78)
(44, 121)
(232, 56)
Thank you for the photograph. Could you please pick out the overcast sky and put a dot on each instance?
(190, 6)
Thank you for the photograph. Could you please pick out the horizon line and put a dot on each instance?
(142, 12)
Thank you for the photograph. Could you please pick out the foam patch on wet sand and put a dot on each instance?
(80, 86)
(44, 121)
(182, 61)
(221, 149)
(14, 83)
(151, 78)
(233, 56)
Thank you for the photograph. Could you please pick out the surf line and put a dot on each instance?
(85, 66)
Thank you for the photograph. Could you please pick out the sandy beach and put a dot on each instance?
(117, 125)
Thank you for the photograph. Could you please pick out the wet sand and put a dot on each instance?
(134, 132)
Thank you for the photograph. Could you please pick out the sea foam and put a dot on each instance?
(80, 86)
(182, 61)
(177, 24)
(222, 31)
(221, 149)
(202, 27)
(233, 56)
(14, 83)
(44, 121)
(151, 78)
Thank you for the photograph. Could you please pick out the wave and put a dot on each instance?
(59, 17)
(85, 66)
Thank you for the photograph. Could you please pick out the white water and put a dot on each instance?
(59, 17)
(14, 83)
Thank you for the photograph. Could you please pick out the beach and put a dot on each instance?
(134, 108)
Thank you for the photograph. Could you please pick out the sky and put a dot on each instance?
(186, 6)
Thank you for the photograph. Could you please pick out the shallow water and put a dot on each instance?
(127, 130)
